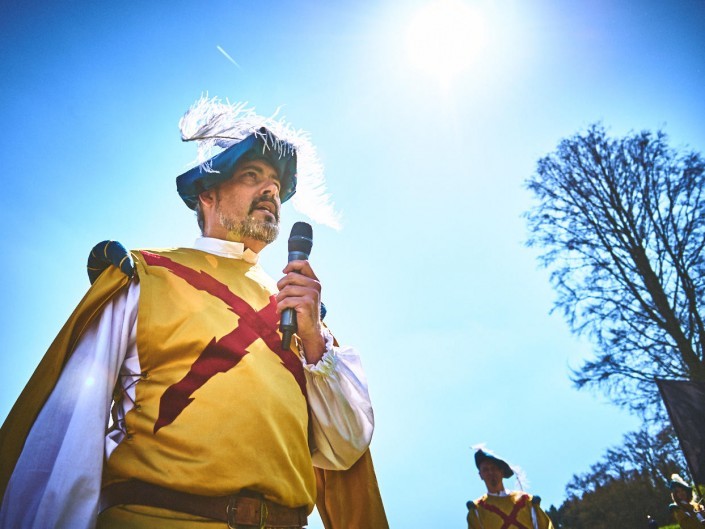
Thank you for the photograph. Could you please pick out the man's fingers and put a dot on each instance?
(294, 279)
(299, 292)
(300, 267)
(300, 304)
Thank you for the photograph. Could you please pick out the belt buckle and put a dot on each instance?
(231, 511)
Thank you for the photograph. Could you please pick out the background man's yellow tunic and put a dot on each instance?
(510, 511)
(686, 514)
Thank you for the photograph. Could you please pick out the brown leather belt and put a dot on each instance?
(237, 510)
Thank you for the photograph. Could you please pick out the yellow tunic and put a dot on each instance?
(512, 511)
(220, 405)
(686, 514)
(346, 499)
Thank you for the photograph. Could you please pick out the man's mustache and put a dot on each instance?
(265, 198)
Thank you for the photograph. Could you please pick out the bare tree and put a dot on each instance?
(622, 225)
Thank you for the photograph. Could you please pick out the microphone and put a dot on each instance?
(300, 244)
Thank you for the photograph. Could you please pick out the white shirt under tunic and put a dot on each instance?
(57, 480)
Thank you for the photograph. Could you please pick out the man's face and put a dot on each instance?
(492, 476)
(247, 205)
(680, 494)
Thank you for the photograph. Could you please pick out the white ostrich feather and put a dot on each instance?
(521, 479)
(215, 124)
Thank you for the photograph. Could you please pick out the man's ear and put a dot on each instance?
(207, 198)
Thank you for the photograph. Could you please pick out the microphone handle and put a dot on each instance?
(288, 325)
(297, 256)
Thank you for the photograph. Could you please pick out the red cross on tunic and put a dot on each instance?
(511, 518)
(221, 355)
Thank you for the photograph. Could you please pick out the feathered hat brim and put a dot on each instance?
(258, 145)
(481, 455)
(678, 482)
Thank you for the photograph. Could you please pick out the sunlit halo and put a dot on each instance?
(445, 37)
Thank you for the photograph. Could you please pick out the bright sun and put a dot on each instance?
(445, 37)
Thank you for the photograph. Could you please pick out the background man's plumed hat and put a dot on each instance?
(485, 455)
(241, 134)
(677, 481)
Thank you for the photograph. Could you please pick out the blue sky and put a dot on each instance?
(429, 276)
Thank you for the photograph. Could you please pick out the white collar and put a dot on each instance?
(230, 249)
(500, 494)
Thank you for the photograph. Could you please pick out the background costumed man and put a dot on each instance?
(688, 513)
(499, 508)
(168, 400)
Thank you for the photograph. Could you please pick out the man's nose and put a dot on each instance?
(270, 188)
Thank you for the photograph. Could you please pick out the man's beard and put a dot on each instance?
(258, 229)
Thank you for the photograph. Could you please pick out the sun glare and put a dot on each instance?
(445, 37)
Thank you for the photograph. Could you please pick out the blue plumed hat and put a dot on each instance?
(262, 145)
(485, 455)
(242, 135)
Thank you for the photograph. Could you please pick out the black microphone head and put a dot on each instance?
(301, 238)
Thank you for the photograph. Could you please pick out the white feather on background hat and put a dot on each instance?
(214, 124)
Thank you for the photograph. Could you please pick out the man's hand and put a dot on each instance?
(300, 290)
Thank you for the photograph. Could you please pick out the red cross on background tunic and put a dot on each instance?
(511, 518)
(221, 355)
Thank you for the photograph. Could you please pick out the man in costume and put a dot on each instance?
(500, 508)
(686, 511)
(168, 400)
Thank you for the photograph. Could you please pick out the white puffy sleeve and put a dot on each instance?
(342, 418)
(57, 479)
